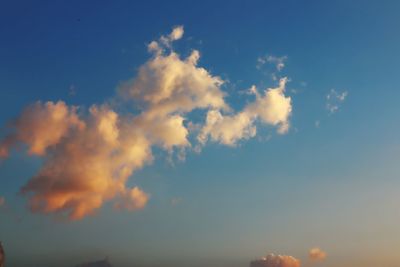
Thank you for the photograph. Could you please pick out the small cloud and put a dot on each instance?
(316, 254)
(278, 62)
(334, 99)
(176, 34)
(317, 123)
(273, 260)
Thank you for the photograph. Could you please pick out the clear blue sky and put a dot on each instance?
(331, 181)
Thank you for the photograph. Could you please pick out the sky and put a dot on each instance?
(208, 133)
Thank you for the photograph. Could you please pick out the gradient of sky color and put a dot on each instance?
(331, 181)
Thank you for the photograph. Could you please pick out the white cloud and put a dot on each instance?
(227, 129)
(271, 107)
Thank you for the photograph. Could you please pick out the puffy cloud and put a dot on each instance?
(167, 131)
(317, 254)
(273, 260)
(89, 166)
(271, 108)
(41, 126)
(90, 155)
(133, 199)
(334, 99)
(227, 129)
(168, 84)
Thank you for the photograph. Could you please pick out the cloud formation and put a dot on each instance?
(271, 107)
(41, 126)
(334, 99)
(273, 260)
(89, 155)
(316, 254)
(87, 164)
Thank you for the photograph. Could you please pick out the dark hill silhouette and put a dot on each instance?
(101, 263)
(2, 256)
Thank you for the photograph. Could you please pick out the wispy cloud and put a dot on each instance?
(334, 100)
(278, 62)
(89, 155)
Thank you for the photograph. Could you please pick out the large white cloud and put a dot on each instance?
(89, 155)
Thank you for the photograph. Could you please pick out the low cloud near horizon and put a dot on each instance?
(273, 260)
(89, 155)
(316, 254)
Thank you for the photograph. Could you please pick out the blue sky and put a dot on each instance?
(330, 181)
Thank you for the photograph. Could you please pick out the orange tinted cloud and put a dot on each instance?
(89, 155)
(273, 260)
(90, 165)
(41, 126)
(316, 254)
